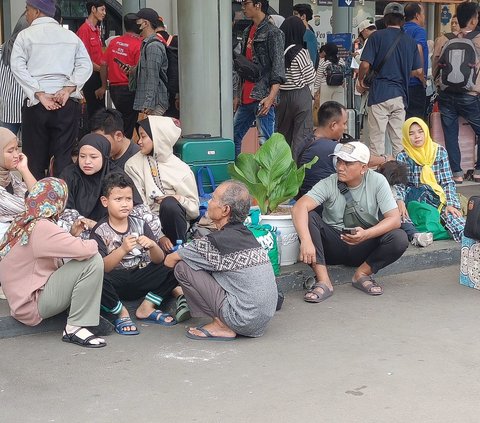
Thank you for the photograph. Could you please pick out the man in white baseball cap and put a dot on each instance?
(359, 225)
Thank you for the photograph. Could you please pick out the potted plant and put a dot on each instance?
(272, 177)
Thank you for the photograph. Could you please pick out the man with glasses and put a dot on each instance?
(262, 44)
(352, 236)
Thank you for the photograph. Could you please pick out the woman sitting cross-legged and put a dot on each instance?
(430, 178)
(36, 285)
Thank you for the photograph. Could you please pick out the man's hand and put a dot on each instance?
(100, 93)
(62, 96)
(145, 242)
(79, 226)
(165, 244)
(48, 101)
(307, 252)
(402, 208)
(453, 211)
(147, 111)
(360, 236)
(360, 87)
(265, 104)
(128, 244)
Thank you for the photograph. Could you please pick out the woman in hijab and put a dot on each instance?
(323, 91)
(12, 189)
(294, 112)
(11, 94)
(85, 179)
(430, 178)
(35, 285)
(166, 184)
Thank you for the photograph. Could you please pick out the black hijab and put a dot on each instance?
(294, 30)
(84, 191)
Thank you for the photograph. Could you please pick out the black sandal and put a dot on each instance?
(74, 339)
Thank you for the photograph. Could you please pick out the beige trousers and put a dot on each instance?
(78, 285)
(389, 117)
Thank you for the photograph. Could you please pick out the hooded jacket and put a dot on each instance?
(161, 172)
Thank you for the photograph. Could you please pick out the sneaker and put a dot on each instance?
(422, 239)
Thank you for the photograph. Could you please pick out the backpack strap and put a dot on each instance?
(169, 40)
(450, 35)
(389, 52)
(342, 186)
(471, 35)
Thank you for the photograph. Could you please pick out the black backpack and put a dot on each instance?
(171, 47)
(472, 225)
(457, 63)
(335, 74)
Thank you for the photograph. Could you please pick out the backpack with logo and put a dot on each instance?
(457, 64)
(335, 74)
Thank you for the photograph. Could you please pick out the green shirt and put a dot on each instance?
(373, 195)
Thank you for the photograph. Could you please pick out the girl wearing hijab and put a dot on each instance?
(166, 184)
(84, 180)
(35, 285)
(12, 189)
(294, 112)
(429, 173)
(324, 92)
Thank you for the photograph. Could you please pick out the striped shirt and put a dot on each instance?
(321, 78)
(300, 73)
(11, 95)
(11, 205)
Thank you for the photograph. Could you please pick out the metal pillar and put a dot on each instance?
(342, 18)
(205, 63)
(132, 6)
(431, 21)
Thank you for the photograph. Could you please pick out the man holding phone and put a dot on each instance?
(326, 240)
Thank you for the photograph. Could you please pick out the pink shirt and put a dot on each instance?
(26, 268)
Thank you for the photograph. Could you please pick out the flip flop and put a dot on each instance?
(159, 317)
(367, 289)
(72, 338)
(124, 322)
(208, 336)
(320, 296)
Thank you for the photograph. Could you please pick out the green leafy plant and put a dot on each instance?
(271, 175)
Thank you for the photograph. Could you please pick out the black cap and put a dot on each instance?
(149, 15)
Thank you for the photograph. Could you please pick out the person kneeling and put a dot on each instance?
(227, 275)
(132, 259)
(352, 198)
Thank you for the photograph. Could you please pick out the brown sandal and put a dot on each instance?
(320, 296)
(367, 288)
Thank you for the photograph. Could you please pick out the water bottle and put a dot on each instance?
(279, 245)
(178, 244)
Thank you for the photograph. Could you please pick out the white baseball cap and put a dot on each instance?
(354, 151)
(367, 23)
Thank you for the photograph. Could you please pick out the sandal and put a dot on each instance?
(182, 310)
(87, 342)
(159, 317)
(122, 323)
(367, 288)
(320, 296)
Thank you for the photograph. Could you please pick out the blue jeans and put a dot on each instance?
(451, 107)
(245, 115)
(14, 127)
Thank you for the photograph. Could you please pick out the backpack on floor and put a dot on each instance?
(335, 74)
(472, 224)
(457, 64)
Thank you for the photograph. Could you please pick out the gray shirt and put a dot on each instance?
(242, 268)
(373, 194)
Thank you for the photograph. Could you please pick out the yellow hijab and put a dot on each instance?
(424, 156)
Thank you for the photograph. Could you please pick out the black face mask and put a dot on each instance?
(138, 31)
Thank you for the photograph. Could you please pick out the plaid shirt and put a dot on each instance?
(444, 177)
(151, 90)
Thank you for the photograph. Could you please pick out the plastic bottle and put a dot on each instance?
(178, 244)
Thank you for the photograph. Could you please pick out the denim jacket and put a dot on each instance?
(268, 47)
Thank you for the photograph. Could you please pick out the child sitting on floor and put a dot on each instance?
(396, 174)
(132, 260)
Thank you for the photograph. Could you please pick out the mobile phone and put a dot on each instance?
(119, 62)
(349, 231)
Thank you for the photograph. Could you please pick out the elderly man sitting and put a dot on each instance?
(227, 275)
(349, 231)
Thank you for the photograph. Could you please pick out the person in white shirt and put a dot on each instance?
(51, 64)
